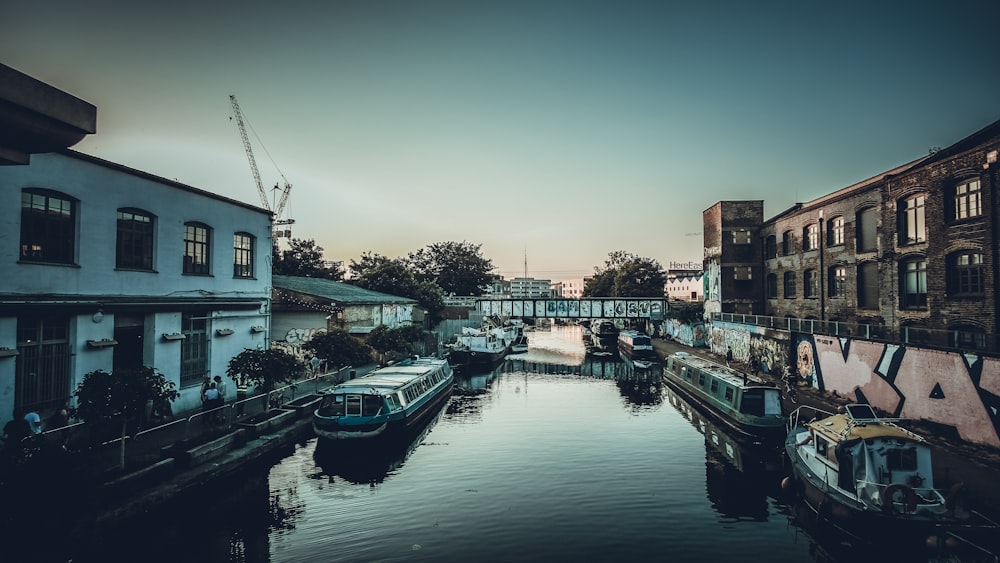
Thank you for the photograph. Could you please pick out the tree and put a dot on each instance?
(265, 369)
(367, 262)
(395, 342)
(104, 399)
(395, 277)
(304, 258)
(626, 275)
(339, 348)
(459, 268)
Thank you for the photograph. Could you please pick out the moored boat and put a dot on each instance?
(386, 400)
(636, 345)
(869, 474)
(743, 402)
(482, 346)
(520, 345)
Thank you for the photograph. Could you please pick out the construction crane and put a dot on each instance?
(283, 200)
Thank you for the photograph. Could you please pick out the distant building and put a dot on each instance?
(569, 289)
(684, 285)
(530, 288)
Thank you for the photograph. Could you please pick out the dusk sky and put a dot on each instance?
(557, 130)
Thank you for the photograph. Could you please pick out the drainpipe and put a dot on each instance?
(822, 273)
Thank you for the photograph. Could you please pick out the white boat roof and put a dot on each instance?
(726, 373)
(392, 377)
(850, 426)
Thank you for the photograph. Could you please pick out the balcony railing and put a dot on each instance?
(952, 340)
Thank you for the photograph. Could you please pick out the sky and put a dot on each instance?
(549, 133)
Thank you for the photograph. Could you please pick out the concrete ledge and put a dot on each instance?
(304, 406)
(143, 477)
(268, 422)
(211, 450)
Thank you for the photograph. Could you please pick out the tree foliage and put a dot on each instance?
(395, 277)
(339, 348)
(103, 397)
(266, 369)
(303, 258)
(458, 268)
(395, 343)
(367, 262)
(626, 275)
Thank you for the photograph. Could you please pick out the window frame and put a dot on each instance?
(913, 219)
(810, 284)
(965, 202)
(965, 279)
(865, 271)
(866, 239)
(837, 282)
(194, 348)
(789, 285)
(134, 245)
(835, 231)
(913, 283)
(49, 229)
(197, 247)
(243, 256)
(772, 285)
(810, 237)
(787, 243)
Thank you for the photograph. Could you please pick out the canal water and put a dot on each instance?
(552, 456)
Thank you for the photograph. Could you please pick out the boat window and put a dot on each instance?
(353, 405)
(822, 446)
(390, 401)
(701, 379)
(715, 385)
(752, 402)
(729, 394)
(901, 459)
(372, 404)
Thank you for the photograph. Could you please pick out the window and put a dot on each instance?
(786, 243)
(810, 283)
(42, 366)
(789, 285)
(729, 394)
(742, 273)
(835, 231)
(914, 291)
(194, 347)
(134, 245)
(970, 337)
(837, 281)
(965, 273)
(810, 237)
(772, 286)
(912, 228)
(867, 236)
(966, 201)
(770, 247)
(741, 237)
(196, 248)
(868, 286)
(243, 246)
(48, 227)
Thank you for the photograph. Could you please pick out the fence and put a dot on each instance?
(956, 340)
(147, 445)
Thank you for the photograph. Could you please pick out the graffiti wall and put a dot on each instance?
(958, 390)
(687, 334)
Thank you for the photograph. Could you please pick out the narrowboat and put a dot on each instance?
(482, 346)
(385, 401)
(864, 473)
(636, 345)
(743, 402)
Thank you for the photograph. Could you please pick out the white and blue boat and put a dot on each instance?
(637, 346)
(386, 401)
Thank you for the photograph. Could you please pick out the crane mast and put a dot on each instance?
(277, 211)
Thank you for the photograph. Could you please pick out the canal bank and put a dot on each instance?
(955, 461)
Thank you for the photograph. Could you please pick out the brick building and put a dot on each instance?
(911, 248)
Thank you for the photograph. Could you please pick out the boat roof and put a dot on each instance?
(392, 377)
(860, 422)
(725, 373)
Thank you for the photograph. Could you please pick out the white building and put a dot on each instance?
(568, 289)
(530, 288)
(106, 267)
(685, 285)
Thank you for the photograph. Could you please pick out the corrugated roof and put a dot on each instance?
(340, 292)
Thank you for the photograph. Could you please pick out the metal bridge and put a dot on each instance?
(591, 308)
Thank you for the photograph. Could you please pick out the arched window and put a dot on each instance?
(868, 286)
(48, 227)
(197, 248)
(787, 243)
(772, 286)
(912, 221)
(913, 278)
(965, 273)
(770, 247)
(789, 285)
(810, 237)
(134, 243)
(964, 200)
(837, 281)
(810, 284)
(835, 231)
(867, 234)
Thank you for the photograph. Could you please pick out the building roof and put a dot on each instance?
(340, 292)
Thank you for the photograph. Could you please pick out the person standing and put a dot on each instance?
(220, 385)
(34, 422)
(729, 356)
